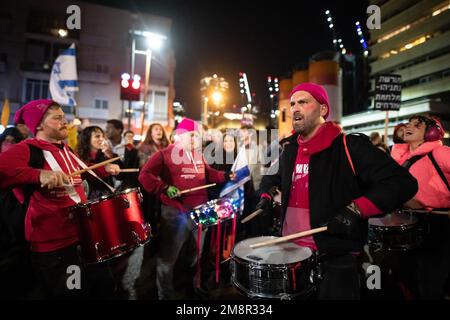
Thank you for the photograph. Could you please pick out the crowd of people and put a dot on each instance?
(326, 178)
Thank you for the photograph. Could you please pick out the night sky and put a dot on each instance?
(257, 37)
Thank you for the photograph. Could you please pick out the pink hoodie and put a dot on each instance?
(432, 193)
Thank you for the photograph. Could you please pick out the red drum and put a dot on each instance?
(111, 226)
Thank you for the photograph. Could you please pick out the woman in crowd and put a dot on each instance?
(428, 161)
(155, 139)
(91, 142)
(9, 137)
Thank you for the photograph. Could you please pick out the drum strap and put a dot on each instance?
(54, 165)
(84, 166)
(348, 154)
(199, 270)
(218, 251)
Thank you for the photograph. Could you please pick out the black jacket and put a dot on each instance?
(333, 185)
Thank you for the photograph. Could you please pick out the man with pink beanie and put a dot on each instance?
(178, 167)
(327, 178)
(49, 192)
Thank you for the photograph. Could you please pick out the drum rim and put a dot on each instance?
(404, 224)
(233, 256)
(129, 249)
(271, 265)
(244, 290)
(107, 197)
(209, 202)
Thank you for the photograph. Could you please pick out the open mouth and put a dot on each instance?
(297, 117)
(408, 132)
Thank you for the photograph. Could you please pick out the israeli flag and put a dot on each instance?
(63, 79)
(235, 189)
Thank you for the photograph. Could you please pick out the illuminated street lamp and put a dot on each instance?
(217, 97)
(155, 42)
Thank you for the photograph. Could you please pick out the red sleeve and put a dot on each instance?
(14, 168)
(214, 175)
(149, 175)
(367, 207)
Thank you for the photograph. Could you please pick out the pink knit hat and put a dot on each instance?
(31, 114)
(186, 125)
(318, 92)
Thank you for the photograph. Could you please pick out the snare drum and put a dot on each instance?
(110, 226)
(213, 211)
(395, 232)
(280, 271)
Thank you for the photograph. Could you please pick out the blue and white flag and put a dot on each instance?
(235, 189)
(63, 79)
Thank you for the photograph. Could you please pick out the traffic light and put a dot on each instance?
(130, 89)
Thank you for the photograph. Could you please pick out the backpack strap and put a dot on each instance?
(408, 163)
(36, 161)
(349, 158)
(438, 169)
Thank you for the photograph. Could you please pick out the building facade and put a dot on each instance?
(414, 42)
(31, 39)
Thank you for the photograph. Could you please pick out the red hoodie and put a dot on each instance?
(47, 225)
(172, 166)
(298, 213)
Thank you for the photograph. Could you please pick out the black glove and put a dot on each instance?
(346, 224)
(264, 204)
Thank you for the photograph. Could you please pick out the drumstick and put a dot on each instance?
(95, 166)
(289, 237)
(197, 188)
(252, 215)
(130, 170)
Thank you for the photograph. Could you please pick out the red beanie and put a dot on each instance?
(31, 114)
(318, 92)
(186, 125)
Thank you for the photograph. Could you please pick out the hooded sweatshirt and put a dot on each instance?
(47, 223)
(185, 170)
(298, 217)
(432, 193)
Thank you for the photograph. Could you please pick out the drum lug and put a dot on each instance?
(126, 203)
(88, 212)
(147, 228)
(136, 237)
(140, 197)
(97, 253)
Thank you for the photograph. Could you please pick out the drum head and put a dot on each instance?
(393, 220)
(282, 253)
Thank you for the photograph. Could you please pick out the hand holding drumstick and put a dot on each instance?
(173, 192)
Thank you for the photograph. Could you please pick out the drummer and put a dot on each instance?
(179, 166)
(332, 193)
(423, 142)
(53, 237)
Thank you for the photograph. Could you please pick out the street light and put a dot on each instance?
(217, 97)
(154, 41)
